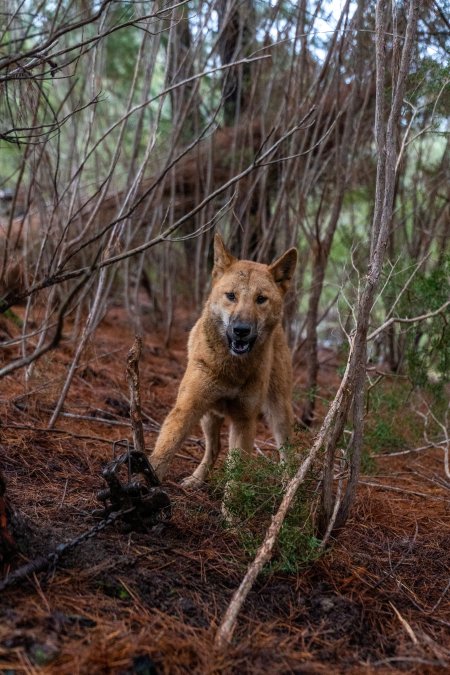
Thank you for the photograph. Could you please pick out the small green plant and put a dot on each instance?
(391, 420)
(382, 436)
(114, 590)
(388, 396)
(9, 314)
(387, 405)
(252, 488)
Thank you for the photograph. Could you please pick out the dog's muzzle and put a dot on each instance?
(241, 337)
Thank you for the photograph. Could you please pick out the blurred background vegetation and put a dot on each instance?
(129, 131)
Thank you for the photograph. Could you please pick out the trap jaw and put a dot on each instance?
(140, 497)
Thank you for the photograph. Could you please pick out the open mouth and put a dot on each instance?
(240, 347)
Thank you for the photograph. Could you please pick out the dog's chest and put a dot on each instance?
(238, 401)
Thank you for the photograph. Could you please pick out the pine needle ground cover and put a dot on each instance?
(149, 602)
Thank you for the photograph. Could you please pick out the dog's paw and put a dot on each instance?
(192, 482)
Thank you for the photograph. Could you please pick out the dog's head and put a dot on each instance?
(247, 297)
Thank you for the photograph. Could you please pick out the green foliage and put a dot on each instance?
(122, 46)
(252, 489)
(387, 402)
(428, 342)
(368, 463)
(428, 82)
(15, 318)
(388, 398)
(383, 436)
(42, 654)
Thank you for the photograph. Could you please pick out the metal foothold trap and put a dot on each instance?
(133, 489)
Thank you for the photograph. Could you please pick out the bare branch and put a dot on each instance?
(414, 319)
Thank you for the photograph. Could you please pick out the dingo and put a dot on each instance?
(239, 363)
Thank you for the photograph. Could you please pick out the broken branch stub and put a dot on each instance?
(135, 393)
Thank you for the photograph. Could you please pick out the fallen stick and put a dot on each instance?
(393, 488)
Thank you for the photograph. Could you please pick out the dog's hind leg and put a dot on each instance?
(242, 433)
(211, 425)
(242, 437)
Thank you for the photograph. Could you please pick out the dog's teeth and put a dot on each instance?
(240, 347)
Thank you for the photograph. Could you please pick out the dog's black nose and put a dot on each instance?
(242, 330)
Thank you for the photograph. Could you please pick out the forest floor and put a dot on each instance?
(144, 603)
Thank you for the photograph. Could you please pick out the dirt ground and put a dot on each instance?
(146, 603)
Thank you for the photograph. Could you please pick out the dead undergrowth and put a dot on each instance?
(149, 602)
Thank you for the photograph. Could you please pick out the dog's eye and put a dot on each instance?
(231, 296)
(261, 299)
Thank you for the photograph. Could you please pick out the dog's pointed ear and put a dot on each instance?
(283, 269)
(222, 258)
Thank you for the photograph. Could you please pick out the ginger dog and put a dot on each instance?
(239, 363)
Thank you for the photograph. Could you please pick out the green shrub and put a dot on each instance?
(252, 488)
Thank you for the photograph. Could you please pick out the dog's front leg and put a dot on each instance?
(211, 425)
(192, 403)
